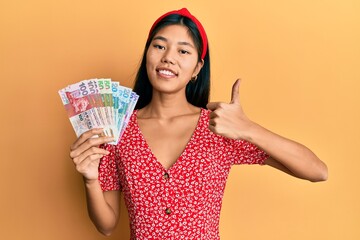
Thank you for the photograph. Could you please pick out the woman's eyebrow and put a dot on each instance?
(166, 40)
(160, 38)
(186, 44)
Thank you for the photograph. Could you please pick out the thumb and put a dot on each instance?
(235, 95)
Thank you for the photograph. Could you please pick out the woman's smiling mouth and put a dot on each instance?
(166, 72)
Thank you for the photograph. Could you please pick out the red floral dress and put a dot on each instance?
(182, 202)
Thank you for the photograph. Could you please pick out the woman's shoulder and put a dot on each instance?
(205, 110)
(205, 114)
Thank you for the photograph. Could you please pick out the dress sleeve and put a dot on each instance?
(108, 170)
(243, 152)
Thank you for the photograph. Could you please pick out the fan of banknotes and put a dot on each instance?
(99, 103)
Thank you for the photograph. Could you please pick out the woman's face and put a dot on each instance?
(172, 59)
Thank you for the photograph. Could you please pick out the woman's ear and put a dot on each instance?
(198, 67)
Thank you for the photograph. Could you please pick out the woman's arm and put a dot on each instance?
(287, 155)
(103, 207)
(291, 157)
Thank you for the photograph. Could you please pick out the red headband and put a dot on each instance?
(184, 12)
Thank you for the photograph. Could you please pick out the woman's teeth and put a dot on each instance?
(166, 72)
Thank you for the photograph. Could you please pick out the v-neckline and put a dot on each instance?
(181, 154)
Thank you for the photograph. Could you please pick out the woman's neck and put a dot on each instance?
(167, 106)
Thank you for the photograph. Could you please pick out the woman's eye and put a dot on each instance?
(184, 52)
(159, 47)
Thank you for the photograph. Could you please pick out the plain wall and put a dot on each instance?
(299, 61)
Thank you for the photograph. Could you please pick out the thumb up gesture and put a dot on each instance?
(228, 119)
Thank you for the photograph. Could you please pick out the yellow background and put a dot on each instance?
(299, 61)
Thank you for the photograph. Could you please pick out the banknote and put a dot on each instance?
(79, 111)
(133, 100)
(99, 103)
(106, 96)
(124, 100)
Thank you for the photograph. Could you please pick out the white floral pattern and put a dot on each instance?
(182, 202)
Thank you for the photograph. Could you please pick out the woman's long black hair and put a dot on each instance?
(197, 92)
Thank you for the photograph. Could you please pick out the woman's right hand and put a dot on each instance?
(86, 153)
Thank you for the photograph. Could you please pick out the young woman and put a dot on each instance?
(175, 155)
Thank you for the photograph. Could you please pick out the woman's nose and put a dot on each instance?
(168, 57)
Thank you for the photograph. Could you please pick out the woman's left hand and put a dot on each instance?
(229, 119)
